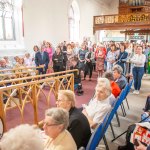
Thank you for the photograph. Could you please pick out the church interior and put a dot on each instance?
(75, 74)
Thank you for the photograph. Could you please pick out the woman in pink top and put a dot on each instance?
(49, 50)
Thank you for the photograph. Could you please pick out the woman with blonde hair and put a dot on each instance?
(78, 123)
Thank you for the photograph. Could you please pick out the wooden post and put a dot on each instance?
(34, 98)
(72, 82)
(56, 87)
(2, 114)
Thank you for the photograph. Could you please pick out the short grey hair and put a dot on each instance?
(108, 75)
(59, 115)
(118, 68)
(105, 84)
(24, 137)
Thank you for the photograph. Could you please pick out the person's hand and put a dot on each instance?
(84, 105)
(140, 147)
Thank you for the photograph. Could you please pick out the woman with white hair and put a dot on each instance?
(23, 137)
(96, 110)
(55, 125)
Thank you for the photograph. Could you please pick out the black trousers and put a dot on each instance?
(42, 70)
(88, 68)
(130, 130)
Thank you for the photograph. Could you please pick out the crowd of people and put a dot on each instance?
(113, 62)
(101, 57)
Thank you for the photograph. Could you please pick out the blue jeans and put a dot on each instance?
(138, 73)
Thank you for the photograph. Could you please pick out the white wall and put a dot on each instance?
(113, 7)
(89, 8)
(48, 20)
(45, 20)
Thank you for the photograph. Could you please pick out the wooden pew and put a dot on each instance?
(21, 69)
(34, 94)
(33, 78)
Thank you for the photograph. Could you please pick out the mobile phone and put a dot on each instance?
(136, 143)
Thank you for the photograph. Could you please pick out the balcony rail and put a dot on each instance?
(129, 18)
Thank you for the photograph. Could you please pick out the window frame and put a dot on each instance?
(3, 16)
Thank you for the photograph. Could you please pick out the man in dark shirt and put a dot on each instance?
(78, 124)
(42, 59)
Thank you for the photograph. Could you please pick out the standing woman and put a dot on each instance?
(35, 49)
(89, 56)
(122, 58)
(138, 70)
(100, 55)
(70, 56)
(58, 60)
(111, 57)
(81, 57)
(49, 50)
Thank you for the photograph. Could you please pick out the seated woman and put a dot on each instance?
(23, 137)
(55, 125)
(114, 86)
(20, 65)
(78, 123)
(119, 77)
(96, 110)
(28, 60)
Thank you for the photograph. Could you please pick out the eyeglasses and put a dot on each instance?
(49, 125)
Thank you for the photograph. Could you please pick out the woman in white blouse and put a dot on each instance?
(96, 110)
(138, 70)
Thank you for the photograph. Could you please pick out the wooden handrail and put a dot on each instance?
(36, 77)
(21, 68)
(31, 91)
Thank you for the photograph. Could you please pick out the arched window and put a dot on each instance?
(74, 20)
(7, 20)
(11, 27)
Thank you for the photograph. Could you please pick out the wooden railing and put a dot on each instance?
(20, 69)
(22, 79)
(34, 94)
(10, 76)
(129, 18)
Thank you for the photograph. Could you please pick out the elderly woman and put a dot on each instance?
(78, 123)
(114, 86)
(96, 110)
(55, 125)
(138, 70)
(23, 137)
(119, 77)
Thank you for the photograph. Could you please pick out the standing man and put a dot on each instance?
(42, 59)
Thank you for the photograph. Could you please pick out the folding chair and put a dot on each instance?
(100, 131)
